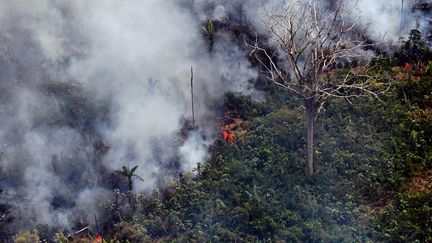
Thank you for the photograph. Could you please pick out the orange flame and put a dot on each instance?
(98, 239)
(228, 136)
(225, 135)
(231, 123)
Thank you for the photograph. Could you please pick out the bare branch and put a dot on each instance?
(312, 41)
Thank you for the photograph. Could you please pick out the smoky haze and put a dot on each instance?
(384, 20)
(90, 86)
(87, 87)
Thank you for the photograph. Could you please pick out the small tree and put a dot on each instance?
(27, 236)
(129, 174)
(311, 40)
(414, 49)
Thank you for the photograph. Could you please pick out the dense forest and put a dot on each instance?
(373, 179)
(237, 167)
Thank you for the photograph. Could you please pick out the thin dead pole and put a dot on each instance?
(402, 16)
(97, 225)
(192, 99)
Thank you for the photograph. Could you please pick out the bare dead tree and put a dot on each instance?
(192, 99)
(313, 44)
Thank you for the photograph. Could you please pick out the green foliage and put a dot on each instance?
(244, 105)
(367, 153)
(255, 190)
(409, 219)
(131, 232)
(416, 92)
(209, 31)
(60, 238)
(129, 173)
(27, 237)
(414, 49)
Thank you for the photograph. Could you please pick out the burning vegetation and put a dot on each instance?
(232, 124)
(127, 147)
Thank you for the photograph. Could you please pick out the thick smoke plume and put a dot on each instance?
(87, 87)
(388, 21)
(385, 21)
(90, 86)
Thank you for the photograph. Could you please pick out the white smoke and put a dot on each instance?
(388, 21)
(136, 55)
(193, 149)
(140, 56)
(126, 66)
(385, 21)
(382, 18)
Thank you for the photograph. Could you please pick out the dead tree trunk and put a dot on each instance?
(192, 100)
(310, 144)
(311, 113)
(313, 40)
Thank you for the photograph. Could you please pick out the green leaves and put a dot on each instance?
(125, 171)
(256, 190)
(209, 30)
(129, 174)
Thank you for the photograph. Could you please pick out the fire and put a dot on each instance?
(225, 134)
(411, 71)
(228, 135)
(231, 123)
(98, 239)
(407, 66)
(87, 239)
